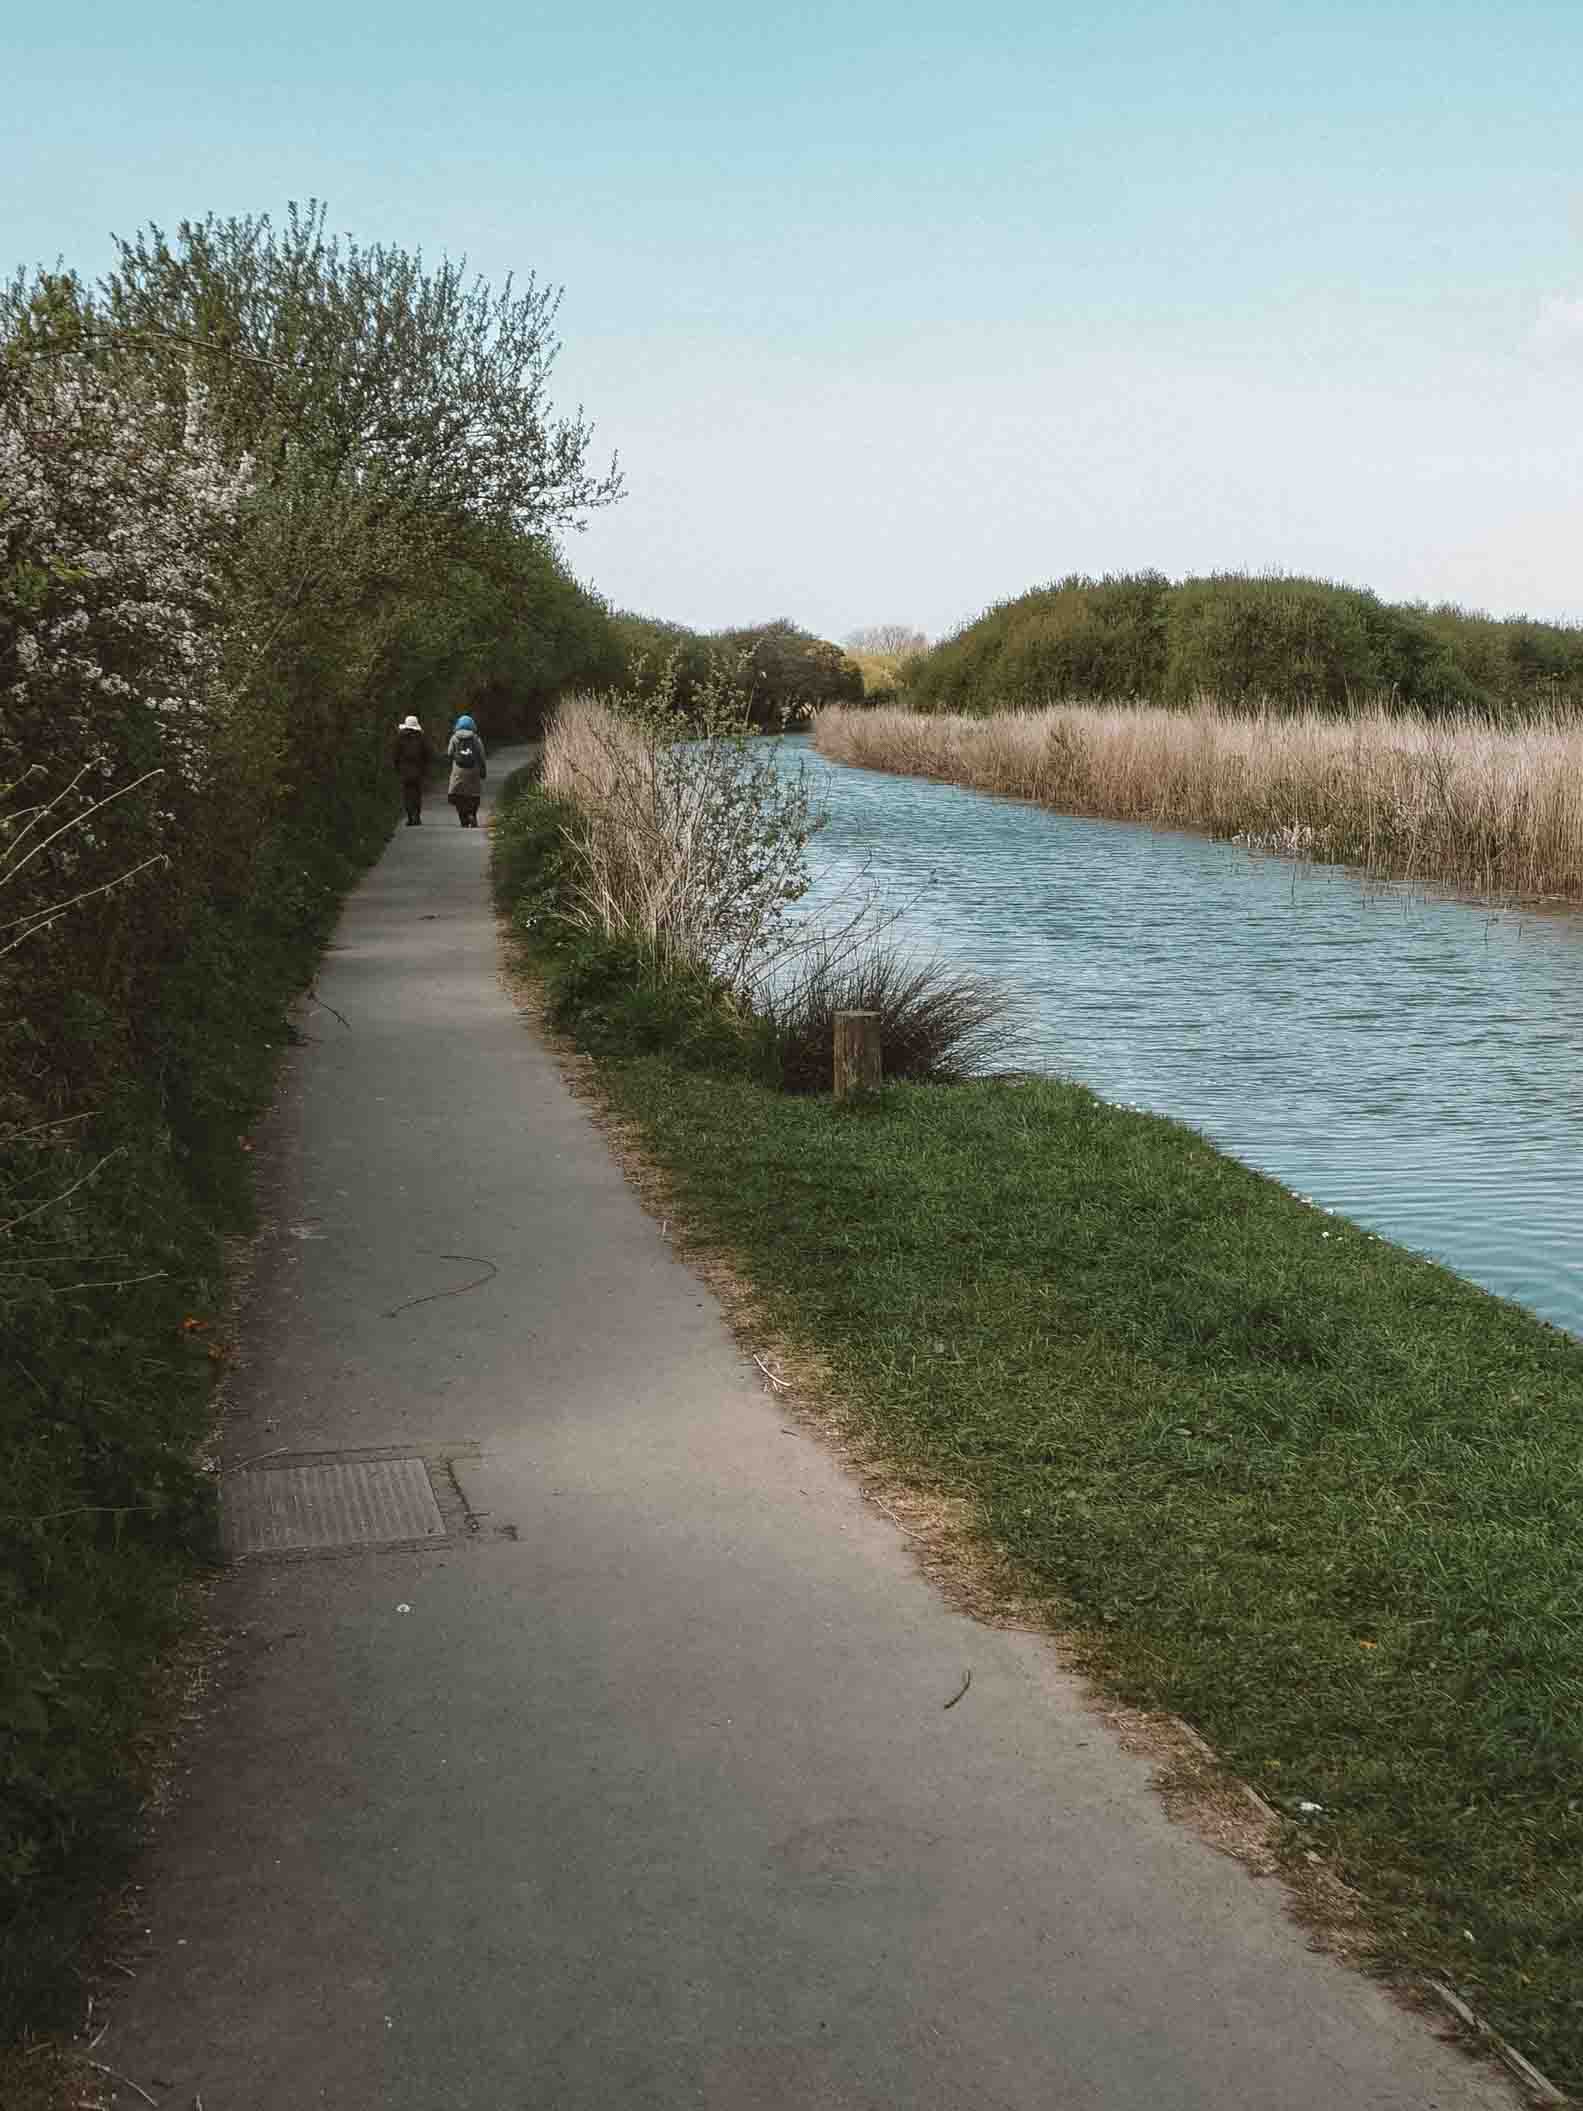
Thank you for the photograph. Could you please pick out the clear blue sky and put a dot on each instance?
(894, 309)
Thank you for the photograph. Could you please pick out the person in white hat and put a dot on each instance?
(410, 753)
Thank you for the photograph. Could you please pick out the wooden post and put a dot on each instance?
(858, 1065)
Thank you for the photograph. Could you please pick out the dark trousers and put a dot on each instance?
(466, 808)
(412, 794)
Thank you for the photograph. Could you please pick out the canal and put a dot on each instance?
(1409, 1060)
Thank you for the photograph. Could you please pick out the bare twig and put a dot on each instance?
(11, 869)
(124, 2080)
(64, 1122)
(781, 1385)
(63, 1256)
(122, 1282)
(315, 998)
(901, 1526)
(48, 1517)
(253, 1458)
(41, 919)
(476, 1284)
(967, 1680)
(50, 1201)
(136, 335)
(1539, 2086)
(26, 818)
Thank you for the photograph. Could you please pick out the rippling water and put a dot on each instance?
(1412, 1062)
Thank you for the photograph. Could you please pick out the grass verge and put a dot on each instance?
(1317, 1496)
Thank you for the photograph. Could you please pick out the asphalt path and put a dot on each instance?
(638, 1788)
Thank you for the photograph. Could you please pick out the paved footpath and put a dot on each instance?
(634, 1785)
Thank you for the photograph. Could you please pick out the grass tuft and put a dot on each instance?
(938, 1024)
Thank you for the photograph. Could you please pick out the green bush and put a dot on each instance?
(243, 536)
(1239, 637)
(1304, 641)
(1076, 637)
(787, 672)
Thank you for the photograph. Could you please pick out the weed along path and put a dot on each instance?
(582, 1738)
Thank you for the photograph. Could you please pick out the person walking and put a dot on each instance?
(469, 768)
(411, 755)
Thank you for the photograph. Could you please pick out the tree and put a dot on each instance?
(899, 641)
(790, 672)
(395, 417)
(427, 390)
(115, 523)
(508, 631)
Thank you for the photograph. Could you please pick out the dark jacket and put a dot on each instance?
(410, 752)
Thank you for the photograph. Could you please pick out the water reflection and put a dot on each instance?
(1410, 1061)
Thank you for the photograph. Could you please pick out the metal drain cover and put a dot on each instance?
(340, 1503)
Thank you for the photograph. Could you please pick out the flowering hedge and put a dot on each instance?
(260, 492)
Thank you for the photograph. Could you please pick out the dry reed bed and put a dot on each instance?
(588, 747)
(632, 876)
(1467, 804)
(679, 852)
(691, 849)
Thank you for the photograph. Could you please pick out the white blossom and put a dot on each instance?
(114, 521)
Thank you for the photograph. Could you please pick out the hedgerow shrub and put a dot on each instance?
(785, 672)
(261, 491)
(1243, 639)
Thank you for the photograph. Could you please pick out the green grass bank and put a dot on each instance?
(1317, 1496)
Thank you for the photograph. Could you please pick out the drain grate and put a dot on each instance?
(334, 1503)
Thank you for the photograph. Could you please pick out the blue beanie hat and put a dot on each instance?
(465, 725)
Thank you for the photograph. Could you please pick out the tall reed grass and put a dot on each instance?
(691, 851)
(1464, 803)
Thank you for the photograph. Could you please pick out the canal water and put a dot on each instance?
(1413, 1061)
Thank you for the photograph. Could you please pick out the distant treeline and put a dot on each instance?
(1248, 639)
(788, 671)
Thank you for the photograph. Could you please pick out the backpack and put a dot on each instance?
(466, 754)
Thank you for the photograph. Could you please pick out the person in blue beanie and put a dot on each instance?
(469, 768)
